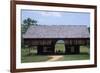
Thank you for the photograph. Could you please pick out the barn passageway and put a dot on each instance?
(60, 47)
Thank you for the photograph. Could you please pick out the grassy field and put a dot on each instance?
(60, 47)
(26, 57)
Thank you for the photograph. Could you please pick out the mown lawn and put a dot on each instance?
(26, 57)
(75, 57)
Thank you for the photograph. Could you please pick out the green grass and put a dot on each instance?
(75, 57)
(33, 57)
(26, 57)
(60, 47)
(84, 49)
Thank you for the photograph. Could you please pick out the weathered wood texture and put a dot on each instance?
(51, 42)
(72, 49)
(47, 46)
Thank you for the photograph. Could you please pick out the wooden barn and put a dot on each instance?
(44, 37)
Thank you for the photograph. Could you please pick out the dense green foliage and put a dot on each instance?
(27, 23)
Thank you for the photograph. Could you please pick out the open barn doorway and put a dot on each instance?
(60, 47)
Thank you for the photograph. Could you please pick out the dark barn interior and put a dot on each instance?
(45, 37)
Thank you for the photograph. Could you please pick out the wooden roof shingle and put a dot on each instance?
(57, 31)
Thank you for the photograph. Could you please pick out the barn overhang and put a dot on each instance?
(51, 41)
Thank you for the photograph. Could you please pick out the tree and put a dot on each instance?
(27, 23)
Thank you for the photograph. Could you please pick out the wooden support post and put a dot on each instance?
(53, 49)
(67, 49)
(72, 49)
(39, 49)
(77, 49)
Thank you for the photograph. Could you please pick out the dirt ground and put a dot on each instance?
(55, 58)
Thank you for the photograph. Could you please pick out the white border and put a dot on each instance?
(20, 65)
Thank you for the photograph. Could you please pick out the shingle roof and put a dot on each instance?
(57, 31)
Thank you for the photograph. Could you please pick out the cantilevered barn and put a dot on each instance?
(44, 37)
